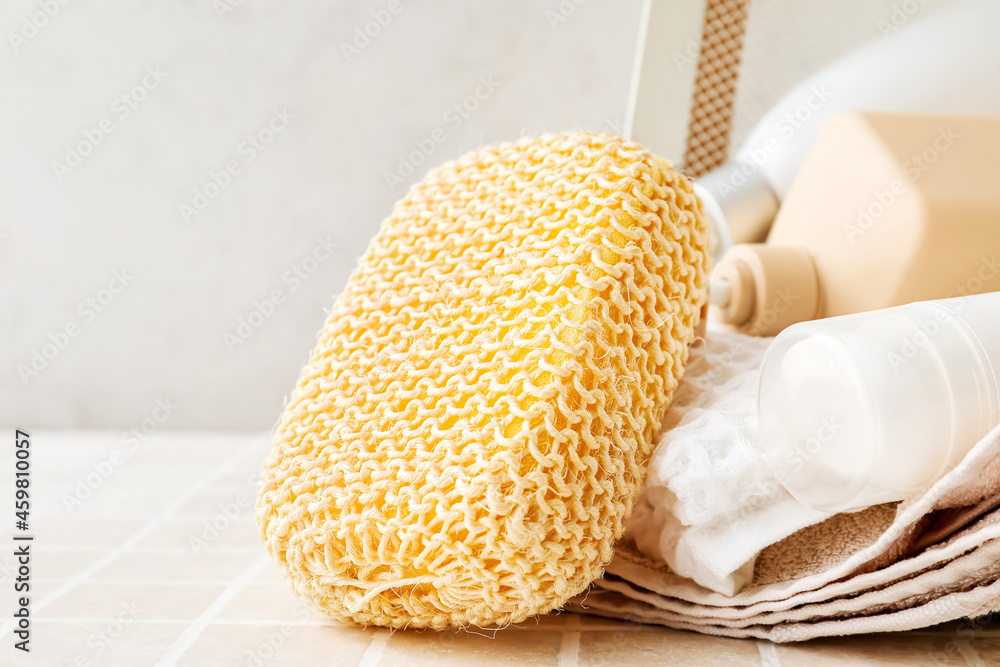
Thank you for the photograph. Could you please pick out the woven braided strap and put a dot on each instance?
(472, 428)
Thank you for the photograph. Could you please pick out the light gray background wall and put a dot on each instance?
(65, 232)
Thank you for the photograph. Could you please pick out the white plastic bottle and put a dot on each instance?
(947, 62)
(874, 407)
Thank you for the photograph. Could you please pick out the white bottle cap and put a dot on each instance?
(875, 407)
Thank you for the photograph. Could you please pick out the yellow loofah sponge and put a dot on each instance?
(474, 423)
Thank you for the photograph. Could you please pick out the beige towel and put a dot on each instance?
(931, 560)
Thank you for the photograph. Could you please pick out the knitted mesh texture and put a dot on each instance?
(472, 428)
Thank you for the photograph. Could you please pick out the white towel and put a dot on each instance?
(897, 566)
(710, 503)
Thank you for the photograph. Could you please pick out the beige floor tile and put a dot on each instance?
(883, 650)
(269, 602)
(183, 565)
(271, 573)
(121, 643)
(660, 646)
(277, 646)
(212, 530)
(162, 601)
(265, 624)
(58, 565)
(70, 532)
(522, 648)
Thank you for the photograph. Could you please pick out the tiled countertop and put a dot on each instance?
(152, 558)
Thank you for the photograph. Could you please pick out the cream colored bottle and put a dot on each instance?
(887, 209)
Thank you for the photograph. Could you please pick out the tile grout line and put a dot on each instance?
(768, 653)
(149, 527)
(373, 654)
(194, 630)
(569, 647)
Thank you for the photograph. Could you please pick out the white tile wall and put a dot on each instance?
(196, 85)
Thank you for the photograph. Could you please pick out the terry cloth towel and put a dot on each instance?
(890, 567)
(710, 503)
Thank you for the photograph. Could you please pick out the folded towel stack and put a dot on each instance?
(891, 567)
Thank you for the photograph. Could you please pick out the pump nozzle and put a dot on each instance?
(761, 289)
